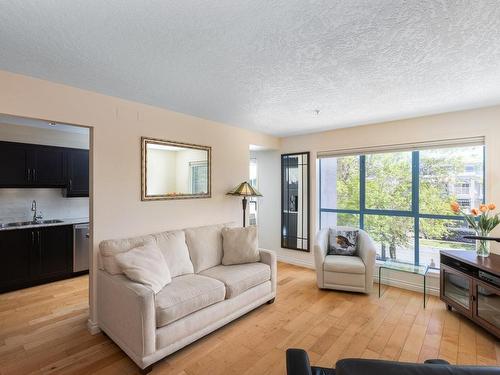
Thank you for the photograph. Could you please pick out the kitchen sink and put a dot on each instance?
(25, 223)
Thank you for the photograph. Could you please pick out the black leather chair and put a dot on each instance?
(297, 363)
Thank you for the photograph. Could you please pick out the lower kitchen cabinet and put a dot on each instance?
(15, 258)
(34, 256)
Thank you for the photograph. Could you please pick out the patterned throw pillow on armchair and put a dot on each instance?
(342, 242)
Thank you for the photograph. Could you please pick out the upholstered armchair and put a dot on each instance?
(341, 272)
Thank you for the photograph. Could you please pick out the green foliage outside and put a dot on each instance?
(389, 187)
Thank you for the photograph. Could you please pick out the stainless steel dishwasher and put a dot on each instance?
(81, 245)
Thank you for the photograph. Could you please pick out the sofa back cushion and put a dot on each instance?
(110, 248)
(173, 246)
(205, 246)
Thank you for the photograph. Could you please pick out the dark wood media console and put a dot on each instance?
(471, 285)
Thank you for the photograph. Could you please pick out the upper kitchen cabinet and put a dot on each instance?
(14, 169)
(47, 166)
(28, 165)
(78, 173)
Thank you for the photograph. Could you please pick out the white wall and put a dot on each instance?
(269, 206)
(117, 126)
(15, 204)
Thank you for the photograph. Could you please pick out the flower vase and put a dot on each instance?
(482, 248)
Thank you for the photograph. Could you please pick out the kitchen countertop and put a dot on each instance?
(68, 221)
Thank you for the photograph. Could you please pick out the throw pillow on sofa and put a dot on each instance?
(173, 246)
(240, 245)
(205, 246)
(110, 248)
(146, 265)
(342, 242)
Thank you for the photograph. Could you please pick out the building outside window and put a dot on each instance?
(402, 198)
(462, 188)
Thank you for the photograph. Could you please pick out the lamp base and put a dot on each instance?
(244, 203)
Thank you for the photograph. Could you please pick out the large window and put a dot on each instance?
(402, 199)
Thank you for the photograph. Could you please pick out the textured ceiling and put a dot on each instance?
(261, 64)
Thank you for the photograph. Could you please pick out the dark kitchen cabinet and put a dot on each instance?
(15, 258)
(28, 165)
(54, 245)
(47, 166)
(78, 173)
(34, 256)
(14, 171)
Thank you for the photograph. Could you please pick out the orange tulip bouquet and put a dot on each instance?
(483, 221)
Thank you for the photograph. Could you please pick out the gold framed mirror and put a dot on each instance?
(174, 170)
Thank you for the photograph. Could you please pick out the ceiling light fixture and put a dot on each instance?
(316, 112)
(52, 123)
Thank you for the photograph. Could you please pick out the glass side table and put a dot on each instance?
(403, 267)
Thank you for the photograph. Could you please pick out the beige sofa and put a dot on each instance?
(203, 295)
(340, 272)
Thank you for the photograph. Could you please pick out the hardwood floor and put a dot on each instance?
(43, 331)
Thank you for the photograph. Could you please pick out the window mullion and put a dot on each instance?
(362, 190)
(415, 187)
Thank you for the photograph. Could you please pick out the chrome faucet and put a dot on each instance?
(36, 216)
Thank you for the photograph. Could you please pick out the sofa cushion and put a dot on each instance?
(345, 264)
(240, 277)
(240, 245)
(205, 246)
(351, 281)
(110, 248)
(185, 295)
(146, 265)
(173, 247)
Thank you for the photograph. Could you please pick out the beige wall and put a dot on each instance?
(117, 125)
(480, 122)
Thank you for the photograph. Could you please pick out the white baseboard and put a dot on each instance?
(93, 327)
(403, 284)
(295, 261)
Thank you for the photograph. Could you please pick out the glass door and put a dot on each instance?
(456, 289)
(487, 307)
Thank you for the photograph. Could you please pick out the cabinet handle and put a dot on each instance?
(70, 184)
(32, 238)
(34, 174)
(29, 174)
